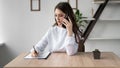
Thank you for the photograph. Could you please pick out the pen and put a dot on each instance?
(34, 49)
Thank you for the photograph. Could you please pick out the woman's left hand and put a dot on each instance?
(68, 25)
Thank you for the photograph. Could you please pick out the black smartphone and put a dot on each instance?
(66, 17)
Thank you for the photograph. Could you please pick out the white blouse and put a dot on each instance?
(57, 41)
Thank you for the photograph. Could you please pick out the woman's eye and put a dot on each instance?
(55, 15)
(61, 15)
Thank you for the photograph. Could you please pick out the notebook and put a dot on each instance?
(43, 55)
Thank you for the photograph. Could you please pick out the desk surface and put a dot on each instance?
(81, 60)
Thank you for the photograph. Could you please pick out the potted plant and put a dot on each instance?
(96, 54)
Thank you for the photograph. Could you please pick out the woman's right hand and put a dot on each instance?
(34, 54)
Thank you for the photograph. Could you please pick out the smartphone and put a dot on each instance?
(66, 17)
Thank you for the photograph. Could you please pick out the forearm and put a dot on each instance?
(70, 45)
(41, 45)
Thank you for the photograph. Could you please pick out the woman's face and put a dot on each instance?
(59, 16)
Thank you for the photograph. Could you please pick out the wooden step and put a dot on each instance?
(102, 1)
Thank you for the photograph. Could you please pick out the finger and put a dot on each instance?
(32, 54)
(35, 54)
(65, 21)
(69, 20)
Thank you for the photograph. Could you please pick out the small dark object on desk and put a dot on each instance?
(96, 54)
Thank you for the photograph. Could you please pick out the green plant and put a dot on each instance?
(78, 17)
(79, 20)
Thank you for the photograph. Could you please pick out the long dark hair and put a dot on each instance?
(66, 8)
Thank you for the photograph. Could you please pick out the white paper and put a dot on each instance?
(42, 55)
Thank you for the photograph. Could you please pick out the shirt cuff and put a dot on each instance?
(70, 39)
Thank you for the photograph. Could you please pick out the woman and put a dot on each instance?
(64, 35)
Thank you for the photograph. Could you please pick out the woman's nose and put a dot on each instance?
(58, 18)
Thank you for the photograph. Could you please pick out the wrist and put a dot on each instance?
(70, 33)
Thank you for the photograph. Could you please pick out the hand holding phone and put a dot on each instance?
(66, 17)
(67, 23)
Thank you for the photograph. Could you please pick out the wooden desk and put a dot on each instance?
(81, 60)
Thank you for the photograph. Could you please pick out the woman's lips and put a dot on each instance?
(59, 22)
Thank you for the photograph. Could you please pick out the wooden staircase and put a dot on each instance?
(91, 25)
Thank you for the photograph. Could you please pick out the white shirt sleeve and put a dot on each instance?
(41, 45)
(70, 45)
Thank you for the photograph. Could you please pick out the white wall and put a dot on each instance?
(20, 28)
(106, 34)
(1, 21)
